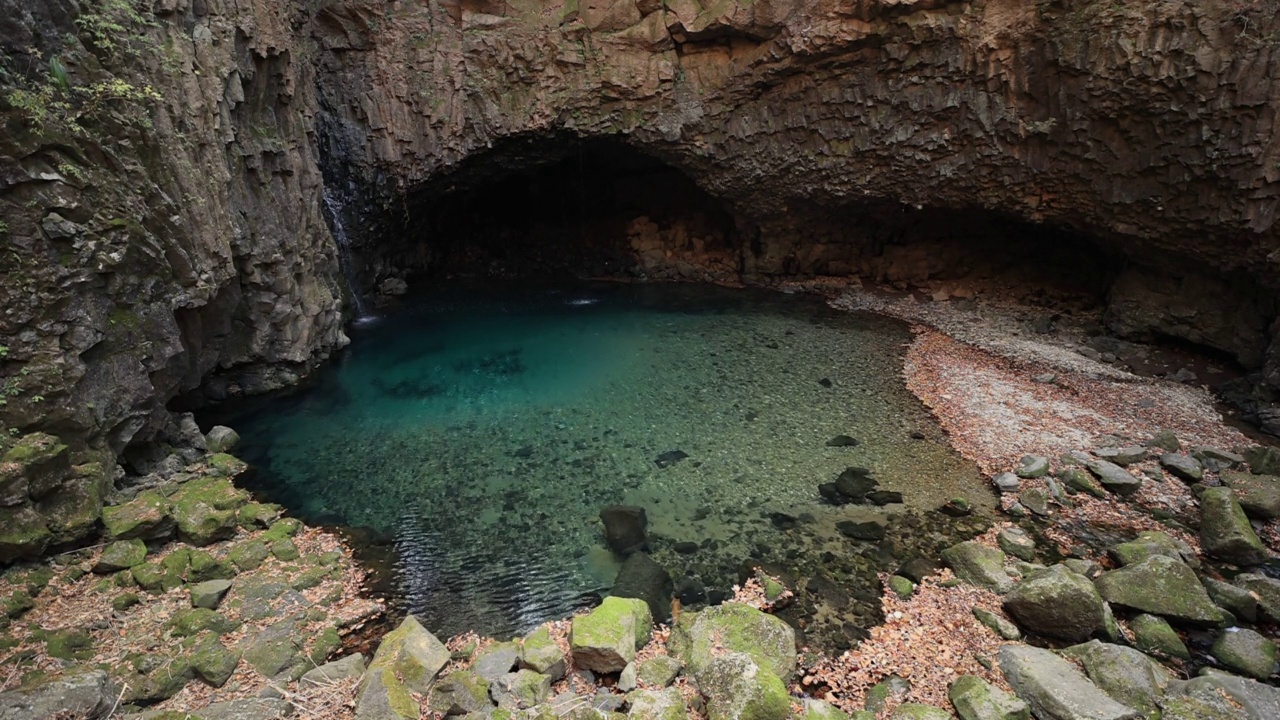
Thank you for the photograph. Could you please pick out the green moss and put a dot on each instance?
(146, 516)
(124, 601)
(186, 623)
(72, 644)
(226, 465)
(16, 603)
(248, 555)
(326, 644)
(283, 528)
(284, 549)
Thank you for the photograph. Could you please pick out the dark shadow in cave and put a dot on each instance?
(538, 206)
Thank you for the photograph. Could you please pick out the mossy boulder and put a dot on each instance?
(658, 671)
(212, 661)
(459, 693)
(1057, 603)
(1160, 585)
(976, 699)
(1127, 675)
(248, 555)
(413, 654)
(147, 516)
(121, 555)
(256, 515)
(1246, 652)
(285, 550)
(225, 465)
(918, 711)
(1153, 635)
(734, 628)
(979, 565)
(73, 511)
(186, 623)
(155, 677)
(155, 578)
(1149, 544)
(16, 603)
(382, 696)
(606, 639)
(277, 649)
(43, 461)
(1266, 590)
(1258, 495)
(520, 690)
(737, 688)
(202, 566)
(540, 653)
(665, 704)
(1225, 532)
(205, 509)
(68, 644)
(79, 692)
(24, 534)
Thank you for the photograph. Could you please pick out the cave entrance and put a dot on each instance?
(567, 207)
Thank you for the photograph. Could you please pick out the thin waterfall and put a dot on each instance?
(333, 206)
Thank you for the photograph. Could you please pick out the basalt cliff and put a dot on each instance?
(172, 173)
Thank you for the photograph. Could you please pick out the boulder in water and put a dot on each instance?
(625, 528)
(644, 579)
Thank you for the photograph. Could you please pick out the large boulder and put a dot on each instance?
(205, 509)
(24, 533)
(734, 628)
(1252, 700)
(625, 528)
(976, 699)
(606, 639)
(540, 653)
(1153, 635)
(1149, 543)
(78, 692)
(1265, 589)
(496, 660)
(644, 579)
(1125, 674)
(147, 516)
(1225, 532)
(520, 690)
(1160, 585)
(1057, 603)
(120, 555)
(1247, 652)
(978, 564)
(459, 693)
(665, 704)
(407, 661)
(737, 688)
(1258, 495)
(1055, 689)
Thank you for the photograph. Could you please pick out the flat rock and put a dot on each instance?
(1005, 482)
(1115, 478)
(1225, 532)
(1122, 456)
(496, 660)
(79, 692)
(1057, 603)
(1183, 467)
(1246, 652)
(247, 709)
(1055, 690)
(665, 704)
(209, 593)
(351, 666)
(1032, 466)
(1160, 585)
(1258, 495)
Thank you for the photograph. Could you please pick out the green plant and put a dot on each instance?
(109, 25)
(4, 230)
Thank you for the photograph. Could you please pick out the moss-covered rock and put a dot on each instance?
(16, 603)
(1153, 635)
(661, 705)
(121, 555)
(186, 623)
(1127, 675)
(225, 465)
(155, 677)
(155, 578)
(248, 555)
(1057, 603)
(1160, 585)
(540, 653)
(202, 566)
(124, 601)
(976, 699)
(1149, 544)
(659, 671)
(212, 661)
(277, 649)
(382, 696)
(74, 510)
(459, 693)
(69, 644)
(24, 533)
(326, 643)
(606, 639)
(43, 461)
(978, 564)
(736, 688)
(917, 711)
(285, 550)
(257, 516)
(1225, 532)
(734, 627)
(901, 586)
(147, 516)
(1246, 652)
(413, 654)
(205, 509)
(209, 594)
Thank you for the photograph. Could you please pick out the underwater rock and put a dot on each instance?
(669, 458)
(644, 579)
(625, 528)
(854, 484)
(866, 530)
(843, 441)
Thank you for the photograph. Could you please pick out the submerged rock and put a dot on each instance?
(864, 530)
(669, 458)
(644, 579)
(625, 528)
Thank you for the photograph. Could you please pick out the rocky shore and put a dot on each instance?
(1133, 575)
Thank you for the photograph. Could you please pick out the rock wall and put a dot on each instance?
(160, 195)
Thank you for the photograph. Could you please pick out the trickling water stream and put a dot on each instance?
(485, 429)
(334, 209)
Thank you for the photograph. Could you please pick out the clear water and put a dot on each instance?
(484, 430)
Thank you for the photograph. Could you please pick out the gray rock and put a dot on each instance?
(1184, 707)
(1057, 603)
(977, 699)
(247, 709)
(121, 555)
(1256, 701)
(496, 660)
(1225, 532)
(1055, 689)
(1266, 589)
(1005, 482)
(821, 710)
(1122, 456)
(351, 666)
(1263, 459)
(1183, 467)
(1115, 478)
(665, 704)
(276, 649)
(627, 678)
(997, 624)
(540, 653)
(891, 688)
(221, 439)
(1258, 495)
(733, 627)
(461, 692)
(1080, 566)
(1032, 466)
(209, 593)
(1165, 440)
(1016, 542)
(918, 711)
(736, 688)
(520, 690)
(79, 692)
(1224, 458)
(1128, 676)
(1236, 600)
(1036, 500)
(1081, 480)
(1247, 652)
(407, 661)
(1151, 543)
(978, 564)
(1160, 585)
(659, 671)
(1153, 635)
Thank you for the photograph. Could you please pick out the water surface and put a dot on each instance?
(484, 429)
